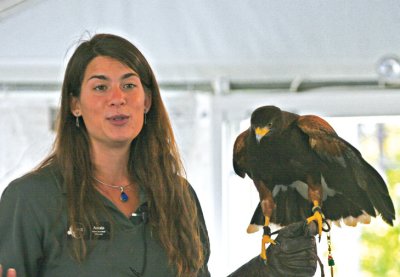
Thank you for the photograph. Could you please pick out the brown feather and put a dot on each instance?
(239, 155)
(322, 137)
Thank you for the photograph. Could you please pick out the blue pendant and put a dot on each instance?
(124, 197)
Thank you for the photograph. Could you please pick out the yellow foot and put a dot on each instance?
(318, 217)
(265, 239)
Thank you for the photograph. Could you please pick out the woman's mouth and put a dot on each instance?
(119, 119)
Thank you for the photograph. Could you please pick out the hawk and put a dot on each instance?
(303, 170)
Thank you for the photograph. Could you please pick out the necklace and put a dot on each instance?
(124, 197)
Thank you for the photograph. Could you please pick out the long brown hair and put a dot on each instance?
(154, 160)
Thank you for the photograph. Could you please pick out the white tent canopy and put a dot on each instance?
(203, 40)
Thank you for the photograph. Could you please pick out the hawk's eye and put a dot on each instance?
(269, 125)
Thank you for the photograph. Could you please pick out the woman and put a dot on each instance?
(111, 199)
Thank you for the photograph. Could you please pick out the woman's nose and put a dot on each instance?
(117, 97)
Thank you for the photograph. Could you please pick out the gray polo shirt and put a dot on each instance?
(35, 235)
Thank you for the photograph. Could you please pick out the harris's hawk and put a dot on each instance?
(298, 165)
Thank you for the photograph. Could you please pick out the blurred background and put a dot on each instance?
(216, 61)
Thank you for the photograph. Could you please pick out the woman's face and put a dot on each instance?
(112, 102)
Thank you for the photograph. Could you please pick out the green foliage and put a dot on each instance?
(381, 243)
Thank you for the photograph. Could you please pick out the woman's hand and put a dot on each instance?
(10, 272)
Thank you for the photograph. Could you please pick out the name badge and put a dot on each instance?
(100, 231)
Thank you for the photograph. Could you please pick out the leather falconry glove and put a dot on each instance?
(294, 254)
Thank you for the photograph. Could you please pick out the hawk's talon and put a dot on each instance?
(265, 239)
(319, 218)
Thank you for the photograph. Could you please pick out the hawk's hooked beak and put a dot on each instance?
(261, 132)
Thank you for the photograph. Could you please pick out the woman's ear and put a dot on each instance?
(75, 106)
(147, 102)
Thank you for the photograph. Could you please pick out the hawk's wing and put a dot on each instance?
(323, 139)
(240, 164)
(348, 172)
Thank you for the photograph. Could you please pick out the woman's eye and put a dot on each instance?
(100, 87)
(129, 86)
